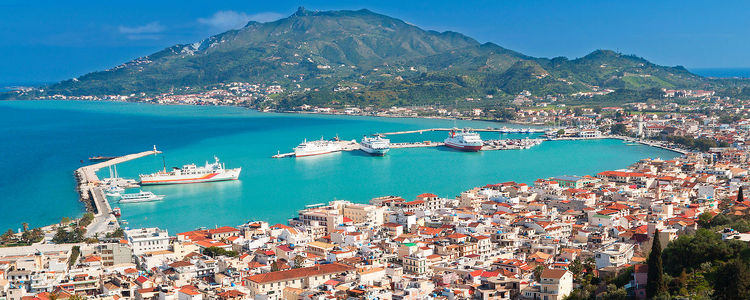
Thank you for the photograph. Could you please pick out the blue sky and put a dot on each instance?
(42, 41)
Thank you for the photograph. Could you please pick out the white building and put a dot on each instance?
(147, 240)
(616, 254)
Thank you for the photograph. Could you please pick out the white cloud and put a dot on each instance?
(229, 19)
(144, 32)
(153, 27)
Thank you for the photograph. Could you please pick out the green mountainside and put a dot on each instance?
(394, 62)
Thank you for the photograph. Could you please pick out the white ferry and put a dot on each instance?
(464, 140)
(316, 148)
(377, 146)
(191, 173)
(140, 197)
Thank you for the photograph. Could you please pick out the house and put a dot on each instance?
(615, 254)
(272, 284)
(555, 284)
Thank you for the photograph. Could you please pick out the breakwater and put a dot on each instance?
(92, 194)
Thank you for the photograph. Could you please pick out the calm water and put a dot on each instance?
(723, 72)
(44, 142)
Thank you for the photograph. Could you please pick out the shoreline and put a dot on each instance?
(604, 137)
(513, 122)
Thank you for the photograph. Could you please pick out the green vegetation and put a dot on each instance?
(389, 61)
(118, 233)
(655, 285)
(74, 253)
(702, 144)
(86, 219)
(27, 237)
(216, 251)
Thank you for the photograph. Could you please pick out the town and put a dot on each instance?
(568, 236)
(543, 240)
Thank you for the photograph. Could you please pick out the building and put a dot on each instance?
(555, 284)
(271, 285)
(364, 214)
(616, 254)
(113, 254)
(147, 240)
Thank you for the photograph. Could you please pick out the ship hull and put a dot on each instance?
(306, 154)
(466, 148)
(374, 152)
(185, 179)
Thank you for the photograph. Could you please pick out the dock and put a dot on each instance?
(498, 130)
(488, 146)
(91, 192)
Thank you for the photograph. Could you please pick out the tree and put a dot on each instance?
(576, 267)
(74, 253)
(8, 235)
(740, 197)
(655, 282)
(538, 273)
(704, 220)
(25, 226)
(86, 219)
(613, 293)
(733, 281)
(216, 251)
(619, 129)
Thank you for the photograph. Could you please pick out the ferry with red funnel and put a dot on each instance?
(464, 140)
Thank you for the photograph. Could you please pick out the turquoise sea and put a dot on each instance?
(43, 142)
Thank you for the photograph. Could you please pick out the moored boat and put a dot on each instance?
(377, 146)
(319, 147)
(191, 173)
(140, 197)
(464, 140)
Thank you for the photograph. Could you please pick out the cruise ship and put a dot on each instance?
(310, 148)
(377, 146)
(464, 140)
(140, 197)
(191, 173)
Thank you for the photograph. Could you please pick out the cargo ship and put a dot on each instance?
(191, 173)
(319, 147)
(464, 140)
(377, 146)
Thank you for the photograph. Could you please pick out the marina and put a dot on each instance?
(498, 130)
(91, 191)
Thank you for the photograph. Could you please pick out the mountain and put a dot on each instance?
(394, 62)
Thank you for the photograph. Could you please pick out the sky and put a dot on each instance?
(47, 41)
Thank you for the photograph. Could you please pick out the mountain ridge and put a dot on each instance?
(322, 49)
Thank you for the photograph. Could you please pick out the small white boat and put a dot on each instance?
(140, 197)
(113, 191)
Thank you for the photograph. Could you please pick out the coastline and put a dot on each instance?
(628, 162)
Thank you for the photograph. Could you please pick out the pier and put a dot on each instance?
(499, 130)
(488, 145)
(91, 192)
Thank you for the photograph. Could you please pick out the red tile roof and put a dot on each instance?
(316, 270)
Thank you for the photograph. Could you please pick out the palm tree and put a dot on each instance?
(25, 226)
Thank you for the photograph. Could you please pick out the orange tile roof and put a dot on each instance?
(316, 270)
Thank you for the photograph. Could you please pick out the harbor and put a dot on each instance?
(498, 144)
(91, 192)
(498, 130)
